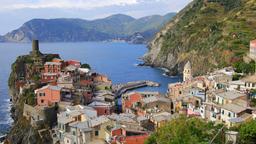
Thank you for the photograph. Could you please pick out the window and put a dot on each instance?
(229, 114)
(96, 133)
(74, 133)
(223, 112)
(42, 101)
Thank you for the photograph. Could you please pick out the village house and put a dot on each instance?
(237, 85)
(249, 82)
(228, 97)
(121, 135)
(39, 115)
(75, 63)
(175, 90)
(86, 84)
(65, 80)
(104, 95)
(52, 67)
(99, 78)
(102, 108)
(129, 99)
(91, 131)
(159, 119)
(52, 70)
(73, 72)
(229, 107)
(49, 77)
(73, 114)
(87, 96)
(232, 114)
(48, 95)
(152, 104)
(129, 120)
(220, 80)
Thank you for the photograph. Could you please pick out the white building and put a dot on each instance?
(187, 72)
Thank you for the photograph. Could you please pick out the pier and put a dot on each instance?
(119, 89)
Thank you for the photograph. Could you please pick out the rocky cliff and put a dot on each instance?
(25, 73)
(209, 33)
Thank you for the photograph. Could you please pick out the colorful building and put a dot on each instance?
(119, 135)
(75, 63)
(102, 108)
(52, 67)
(48, 95)
(129, 100)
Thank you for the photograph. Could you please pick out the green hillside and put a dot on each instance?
(209, 33)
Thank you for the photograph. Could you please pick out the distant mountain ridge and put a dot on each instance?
(117, 26)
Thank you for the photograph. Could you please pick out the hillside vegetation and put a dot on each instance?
(209, 33)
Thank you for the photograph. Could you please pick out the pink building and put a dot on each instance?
(48, 95)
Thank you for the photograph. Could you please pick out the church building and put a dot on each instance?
(187, 72)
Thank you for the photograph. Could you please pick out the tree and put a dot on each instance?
(247, 132)
(186, 131)
(242, 67)
(86, 66)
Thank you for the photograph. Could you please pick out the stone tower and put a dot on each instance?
(187, 72)
(35, 48)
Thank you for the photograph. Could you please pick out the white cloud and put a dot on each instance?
(66, 4)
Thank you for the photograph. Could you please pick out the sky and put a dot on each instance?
(13, 13)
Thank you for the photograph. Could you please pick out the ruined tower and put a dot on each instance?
(35, 48)
(187, 72)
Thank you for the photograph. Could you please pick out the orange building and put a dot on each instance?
(120, 135)
(102, 108)
(101, 78)
(129, 100)
(48, 95)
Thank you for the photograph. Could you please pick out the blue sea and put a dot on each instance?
(116, 60)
